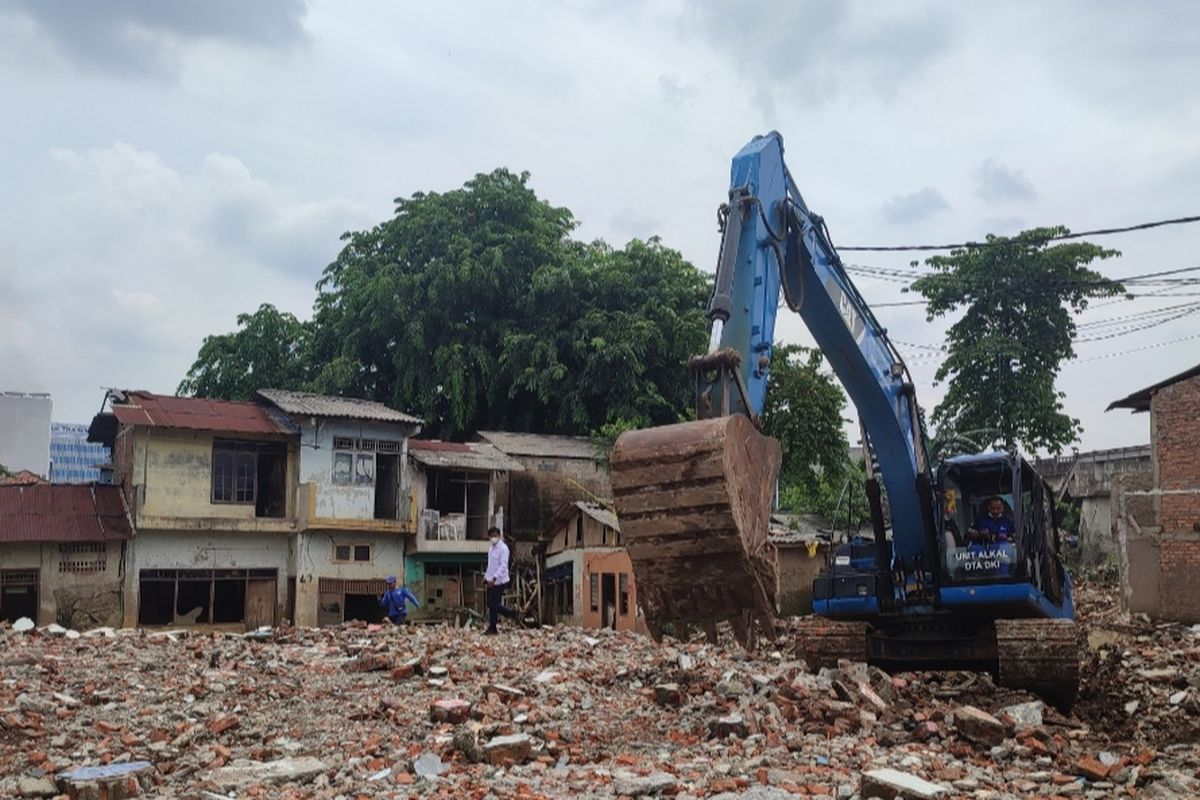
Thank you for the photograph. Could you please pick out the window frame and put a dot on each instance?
(239, 454)
(352, 551)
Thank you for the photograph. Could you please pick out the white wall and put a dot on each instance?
(336, 501)
(25, 432)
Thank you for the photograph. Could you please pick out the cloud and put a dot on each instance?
(144, 37)
(119, 263)
(817, 50)
(997, 182)
(914, 207)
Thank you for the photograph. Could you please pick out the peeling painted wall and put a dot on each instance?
(168, 549)
(342, 501)
(174, 472)
(79, 600)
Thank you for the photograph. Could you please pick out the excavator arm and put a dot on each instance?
(694, 499)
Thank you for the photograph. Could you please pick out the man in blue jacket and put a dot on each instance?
(394, 599)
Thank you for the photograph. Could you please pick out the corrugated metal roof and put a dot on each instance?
(541, 444)
(794, 529)
(22, 477)
(63, 513)
(1140, 400)
(460, 455)
(197, 413)
(316, 405)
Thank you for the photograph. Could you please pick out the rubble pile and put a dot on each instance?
(362, 711)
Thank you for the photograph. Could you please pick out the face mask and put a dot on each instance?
(495, 539)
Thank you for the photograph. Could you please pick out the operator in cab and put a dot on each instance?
(993, 525)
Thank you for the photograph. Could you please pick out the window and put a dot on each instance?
(234, 472)
(387, 446)
(82, 557)
(594, 591)
(352, 552)
(579, 530)
(353, 461)
(623, 591)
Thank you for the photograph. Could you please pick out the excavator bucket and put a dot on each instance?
(694, 503)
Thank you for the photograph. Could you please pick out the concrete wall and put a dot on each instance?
(1096, 540)
(171, 475)
(211, 549)
(79, 600)
(25, 432)
(616, 562)
(1137, 542)
(312, 554)
(340, 501)
(795, 570)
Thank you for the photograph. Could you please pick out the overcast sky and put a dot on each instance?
(168, 165)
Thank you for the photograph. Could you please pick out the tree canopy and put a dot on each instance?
(1017, 295)
(474, 309)
(803, 410)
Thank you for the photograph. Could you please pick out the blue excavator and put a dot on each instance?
(962, 570)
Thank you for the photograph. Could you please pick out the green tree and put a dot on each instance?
(269, 349)
(474, 309)
(1017, 296)
(803, 410)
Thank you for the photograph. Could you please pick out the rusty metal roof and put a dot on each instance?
(23, 477)
(317, 405)
(541, 445)
(461, 455)
(63, 513)
(197, 413)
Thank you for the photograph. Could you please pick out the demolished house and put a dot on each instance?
(588, 578)
(211, 487)
(456, 486)
(62, 551)
(1157, 515)
(356, 508)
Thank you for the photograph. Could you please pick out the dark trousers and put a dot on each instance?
(494, 594)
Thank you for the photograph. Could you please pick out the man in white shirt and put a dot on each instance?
(496, 579)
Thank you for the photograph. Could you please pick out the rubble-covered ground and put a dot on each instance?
(431, 711)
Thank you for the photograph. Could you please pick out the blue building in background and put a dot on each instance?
(73, 459)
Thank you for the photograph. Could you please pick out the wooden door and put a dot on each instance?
(260, 602)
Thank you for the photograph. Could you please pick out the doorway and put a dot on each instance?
(387, 486)
(608, 600)
(18, 594)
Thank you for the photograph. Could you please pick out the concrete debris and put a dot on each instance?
(888, 784)
(23, 625)
(545, 713)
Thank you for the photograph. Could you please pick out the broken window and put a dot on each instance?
(18, 594)
(205, 596)
(623, 592)
(465, 495)
(82, 557)
(251, 472)
(353, 461)
(594, 591)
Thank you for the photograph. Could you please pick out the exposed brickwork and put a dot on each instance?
(1176, 411)
(1178, 589)
(532, 497)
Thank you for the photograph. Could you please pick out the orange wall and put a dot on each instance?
(616, 562)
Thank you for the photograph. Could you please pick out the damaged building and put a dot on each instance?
(63, 553)
(356, 507)
(588, 578)
(556, 470)
(211, 486)
(456, 486)
(1157, 514)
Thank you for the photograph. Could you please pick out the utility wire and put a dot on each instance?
(1077, 235)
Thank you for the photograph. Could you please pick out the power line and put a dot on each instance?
(1142, 226)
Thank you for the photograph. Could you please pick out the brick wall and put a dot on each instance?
(1176, 431)
(1179, 563)
(532, 497)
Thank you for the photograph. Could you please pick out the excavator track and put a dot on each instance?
(823, 642)
(1040, 656)
(694, 503)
